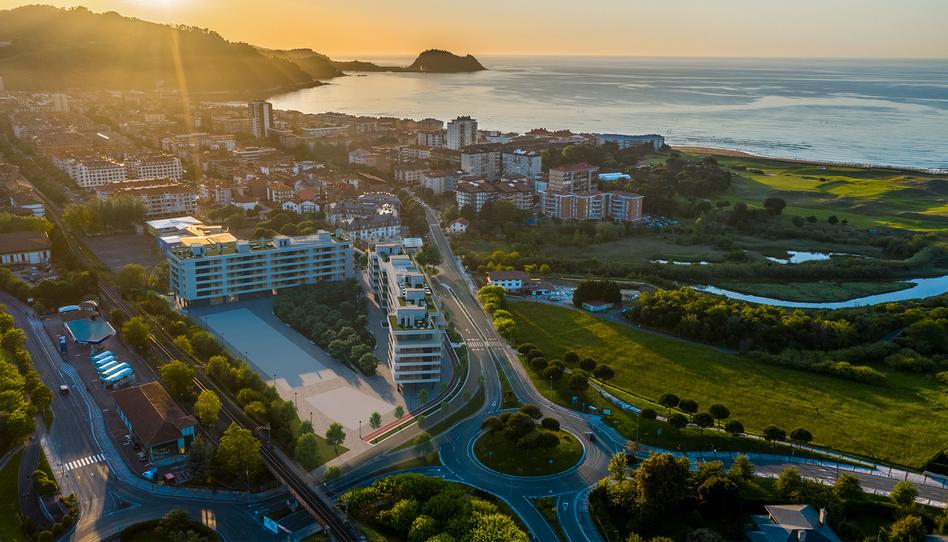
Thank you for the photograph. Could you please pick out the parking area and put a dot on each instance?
(320, 386)
(116, 251)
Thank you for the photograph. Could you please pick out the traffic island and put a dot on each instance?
(500, 452)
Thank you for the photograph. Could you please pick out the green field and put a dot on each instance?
(865, 197)
(10, 528)
(502, 454)
(904, 423)
(814, 292)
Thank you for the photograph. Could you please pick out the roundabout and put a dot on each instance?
(495, 452)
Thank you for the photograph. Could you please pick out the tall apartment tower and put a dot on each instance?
(261, 118)
(462, 132)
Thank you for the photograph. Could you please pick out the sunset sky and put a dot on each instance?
(745, 28)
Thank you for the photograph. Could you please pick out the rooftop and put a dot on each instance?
(153, 413)
(89, 331)
(23, 241)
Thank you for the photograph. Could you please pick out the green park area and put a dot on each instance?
(502, 454)
(10, 525)
(816, 291)
(903, 422)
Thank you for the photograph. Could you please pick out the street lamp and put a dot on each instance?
(295, 407)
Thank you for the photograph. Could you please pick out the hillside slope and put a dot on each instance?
(51, 48)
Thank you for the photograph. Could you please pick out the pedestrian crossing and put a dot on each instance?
(69, 370)
(75, 464)
(481, 344)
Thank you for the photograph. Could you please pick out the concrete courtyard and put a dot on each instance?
(320, 386)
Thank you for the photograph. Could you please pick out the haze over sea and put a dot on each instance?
(885, 112)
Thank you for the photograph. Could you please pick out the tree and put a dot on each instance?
(578, 381)
(669, 401)
(703, 420)
(772, 433)
(903, 495)
(399, 411)
(307, 451)
(238, 452)
(332, 472)
(789, 485)
(648, 414)
(184, 344)
(907, 529)
(136, 333)
(553, 373)
(571, 357)
(742, 468)
(833, 220)
(800, 436)
(550, 424)
(375, 420)
(847, 487)
(688, 406)
(492, 423)
(618, 466)
(774, 206)
(604, 372)
(423, 395)
(734, 427)
(719, 412)
(678, 421)
(207, 407)
(335, 435)
(531, 410)
(587, 364)
(132, 277)
(179, 378)
(661, 483)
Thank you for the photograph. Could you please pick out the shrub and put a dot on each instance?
(538, 364)
(570, 357)
(648, 414)
(677, 420)
(604, 372)
(526, 347)
(550, 424)
(553, 373)
(587, 364)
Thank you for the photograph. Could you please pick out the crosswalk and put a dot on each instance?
(481, 344)
(75, 464)
(69, 370)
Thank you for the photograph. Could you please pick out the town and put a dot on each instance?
(224, 320)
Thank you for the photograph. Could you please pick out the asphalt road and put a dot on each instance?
(111, 500)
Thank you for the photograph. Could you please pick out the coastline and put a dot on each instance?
(736, 153)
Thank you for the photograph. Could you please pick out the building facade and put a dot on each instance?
(462, 132)
(481, 161)
(153, 167)
(202, 270)
(25, 248)
(261, 118)
(415, 349)
(160, 196)
(526, 163)
(655, 141)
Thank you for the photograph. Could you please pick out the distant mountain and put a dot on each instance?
(51, 48)
(430, 61)
(317, 65)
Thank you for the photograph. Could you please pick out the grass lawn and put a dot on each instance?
(501, 454)
(903, 423)
(547, 507)
(10, 528)
(814, 292)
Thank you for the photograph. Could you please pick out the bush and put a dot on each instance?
(550, 424)
(677, 420)
(648, 414)
(538, 364)
(604, 372)
(553, 373)
(44, 536)
(526, 347)
(587, 364)
(571, 357)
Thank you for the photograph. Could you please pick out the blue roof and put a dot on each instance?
(89, 331)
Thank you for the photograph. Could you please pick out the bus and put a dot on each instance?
(125, 376)
(100, 355)
(102, 367)
(112, 370)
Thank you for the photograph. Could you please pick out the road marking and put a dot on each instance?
(82, 462)
(208, 518)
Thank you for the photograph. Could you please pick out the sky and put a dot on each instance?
(691, 28)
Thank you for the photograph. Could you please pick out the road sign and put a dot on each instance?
(63, 348)
(271, 525)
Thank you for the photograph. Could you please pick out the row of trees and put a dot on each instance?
(554, 370)
(493, 300)
(333, 315)
(420, 508)
(22, 392)
(527, 427)
(97, 216)
(597, 290)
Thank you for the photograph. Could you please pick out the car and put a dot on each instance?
(64, 390)
(590, 436)
(141, 456)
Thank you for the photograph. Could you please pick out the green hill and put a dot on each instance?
(439, 61)
(51, 48)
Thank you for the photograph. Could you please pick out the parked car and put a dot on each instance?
(64, 390)
(141, 456)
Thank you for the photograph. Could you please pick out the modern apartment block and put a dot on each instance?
(591, 205)
(153, 167)
(481, 161)
(261, 118)
(462, 132)
(415, 339)
(433, 138)
(216, 268)
(476, 192)
(572, 177)
(654, 141)
(160, 196)
(526, 163)
(92, 171)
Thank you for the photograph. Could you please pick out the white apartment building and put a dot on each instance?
(415, 340)
(475, 192)
(261, 118)
(434, 138)
(654, 141)
(373, 228)
(208, 270)
(481, 161)
(160, 196)
(91, 174)
(153, 167)
(526, 163)
(462, 132)
(440, 182)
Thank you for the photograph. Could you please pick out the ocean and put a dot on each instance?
(880, 112)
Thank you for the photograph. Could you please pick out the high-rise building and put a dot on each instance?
(481, 161)
(415, 338)
(572, 177)
(261, 118)
(462, 132)
(526, 163)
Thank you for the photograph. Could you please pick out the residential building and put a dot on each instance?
(364, 157)
(430, 125)
(434, 138)
(481, 161)
(411, 172)
(792, 522)
(164, 430)
(250, 155)
(301, 206)
(625, 206)
(153, 167)
(655, 141)
(204, 269)
(278, 192)
(414, 152)
(160, 196)
(462, 132)
(511, 281)
(60, 103)
(92, 172)
(415, 347)
(519, 162)
(458, 226)
(261, 118)
(572, 177)
(28, 203)
(373, 228)
(170, 226)
(440, 182)
(474, 192)
(518, 190)
(591, 205)
(218, 191)
(25, 248)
